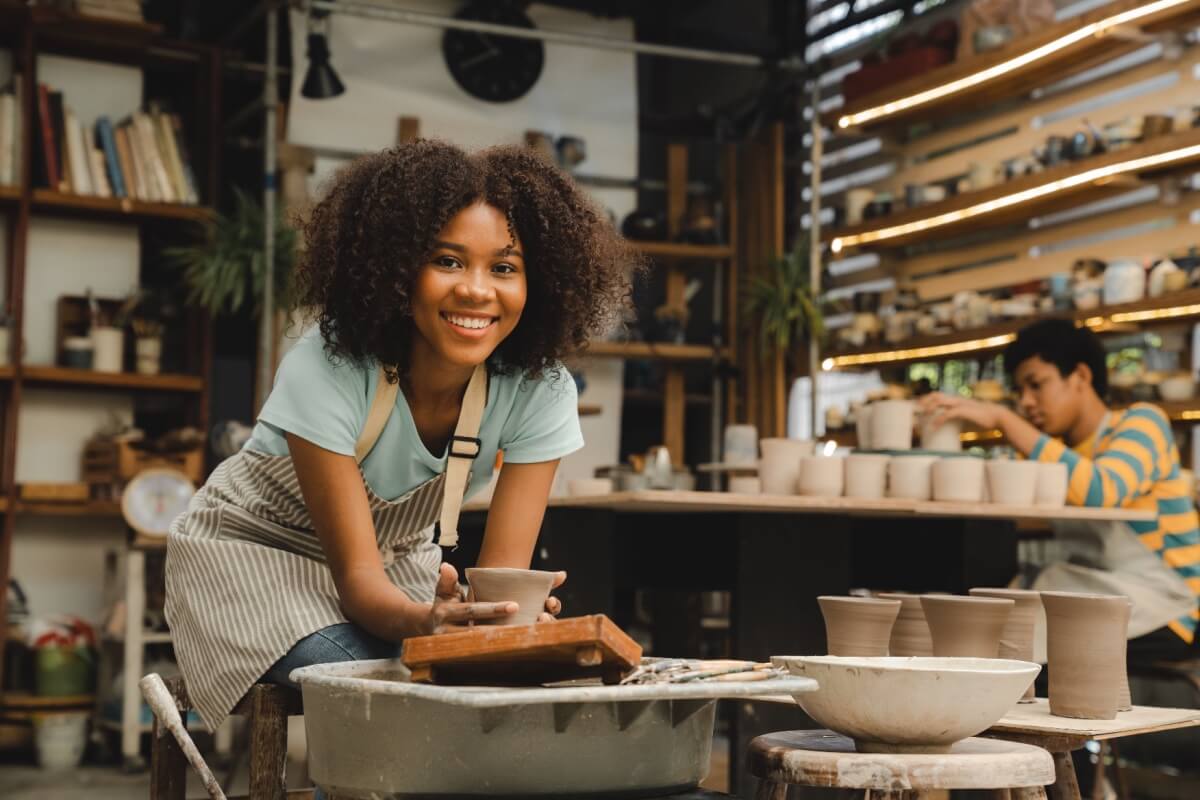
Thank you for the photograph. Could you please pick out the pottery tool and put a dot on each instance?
(164, 708)
(524, 655)
(692, 670)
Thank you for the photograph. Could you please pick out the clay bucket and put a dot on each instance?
(858, 626)
(910, 477)
(958, 480)
(866, 475)
(1012, 483)
(528, 588)
(1051, 490)
(1085, 644)
(966, 626)
(892, 424)
(1016, 641)
(780, 465)
(946, 438)
(910, 634)
(821, 476)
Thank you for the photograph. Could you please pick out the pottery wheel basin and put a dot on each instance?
(913, 705)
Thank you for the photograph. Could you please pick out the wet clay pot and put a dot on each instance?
(1011, 482)
(958, 480)
(858, 626)
(910, 634)
(1016, 640)
(910, 477)
(780, 464)
(821, 476)
(528, 588)
(966, 626)
(1051, 490)
(1085, 644)
(866, 475)
(945, 438)
(892, 424)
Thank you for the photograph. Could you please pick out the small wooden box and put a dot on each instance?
(106, 461)
(55, 492)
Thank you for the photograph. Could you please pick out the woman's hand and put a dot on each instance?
(553, 604)
(450, 610)
(945, 407)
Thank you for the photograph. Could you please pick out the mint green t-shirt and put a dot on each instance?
(326, 402)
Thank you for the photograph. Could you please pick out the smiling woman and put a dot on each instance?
(446, 288)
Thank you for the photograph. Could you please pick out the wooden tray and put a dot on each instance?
(524, 655)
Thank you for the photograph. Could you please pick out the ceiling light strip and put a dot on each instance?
(1094, 175)
(1097, 29)
(931, 351)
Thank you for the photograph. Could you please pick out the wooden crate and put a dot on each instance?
(107, 462)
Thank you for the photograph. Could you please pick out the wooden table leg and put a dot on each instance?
(1066, 783)
(770, 790)
(268, 746)
(168, 764)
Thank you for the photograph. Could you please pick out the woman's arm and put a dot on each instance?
(515, 515)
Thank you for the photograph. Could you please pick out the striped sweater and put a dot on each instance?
(1134, 463)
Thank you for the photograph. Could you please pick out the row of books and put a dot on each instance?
(144, 156)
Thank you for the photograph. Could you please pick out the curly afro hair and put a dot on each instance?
(368, 238)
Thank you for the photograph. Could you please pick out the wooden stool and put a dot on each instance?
(267, 708)
(826, 759)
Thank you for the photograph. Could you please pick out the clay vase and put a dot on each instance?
(1016, 640)
(1085, 645)
(892, 424)
(528, 588)
(858, 626)
(958, 480)
(910, 477)
(866, 475)
(821, 476)
(966, 626)
(1051, 487)
(910, 634)
(1012, 483)
(780, 464)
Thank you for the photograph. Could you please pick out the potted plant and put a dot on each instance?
(782, 302)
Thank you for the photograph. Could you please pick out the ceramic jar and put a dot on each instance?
(1051, 489)
(741, 444)
(858, 626)
(1124, 282)
(910, 633)
(910, 477)
(779, 468)
(1016, 640)
(892, 425)
(108, 354)
(866, 475)
(1085, 644)
(958, 480)
(945, 438)
(821, 476)
(966, 626)
(745, 484)
(148, 355)
(78, 352)
(1012, 482)
(862, 427)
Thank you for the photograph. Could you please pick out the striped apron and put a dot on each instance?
(246, 577)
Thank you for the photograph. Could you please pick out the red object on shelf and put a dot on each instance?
(873, 77)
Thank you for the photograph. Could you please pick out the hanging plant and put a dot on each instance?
(228, 268)
(782, 302)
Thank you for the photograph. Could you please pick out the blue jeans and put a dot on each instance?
(342, 642)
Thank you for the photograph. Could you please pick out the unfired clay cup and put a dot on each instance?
(1016, 640)
(911, 477)
(858, 626)
(966, 626)
(1051, 489)
(528, 588)
(744, 484)
(862, 427)
(589, 487)
(892, 424)
(946, 438)
(822, 476)
(958, 480)
(910, 634)
(866, 475)
(1085, 647)
(779, 467)
(1011, 482)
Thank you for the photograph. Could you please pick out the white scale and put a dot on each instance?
(154, 498)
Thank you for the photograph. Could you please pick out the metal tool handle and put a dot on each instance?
(163, 705)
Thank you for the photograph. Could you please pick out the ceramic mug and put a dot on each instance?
(958, 480)
(892, 425)
(1051, 489)
(1011, 482)
(779, 468)
(821, 476)
(866, 475)
(911, 477)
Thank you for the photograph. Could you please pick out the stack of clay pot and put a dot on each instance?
(1086, 641)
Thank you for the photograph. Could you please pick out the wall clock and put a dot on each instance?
(498, 69)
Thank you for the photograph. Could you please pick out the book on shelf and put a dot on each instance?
(46, 159)
(10, 136)
(58, 130)
(79, 167)
(107, 144)
(99, 174)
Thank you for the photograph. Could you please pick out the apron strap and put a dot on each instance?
(377, 417)
(464, 448)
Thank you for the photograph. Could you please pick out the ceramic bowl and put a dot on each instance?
(958, 480)
(866, 475)
(909, 705)
(1011, 482)
(1051, 489)
(1177, 388)
(911, 477)
(822, 476)
(589, 487)
(528, 588)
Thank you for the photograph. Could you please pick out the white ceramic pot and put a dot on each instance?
(866, 475)
(744, 484)
(911, 477)
(856, 202)
(892, 425)
(741, 444)
(1177, 388)
(60, 739)
(1051, 488)
(589, 487)
(779, 468)
(822, 476)
(945, 438)
(1011, 482)
(958, 480)
(862, 427)
(149, 355)
(108, 349)
(1124, 282)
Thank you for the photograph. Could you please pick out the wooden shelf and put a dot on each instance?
(10, 195)
(1024, 197)
(684, 252)
(1177, 306)
(108, 509)
(47, 201)
(660, 351)
(66, 376)
(654, 399)
(1071, 57)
